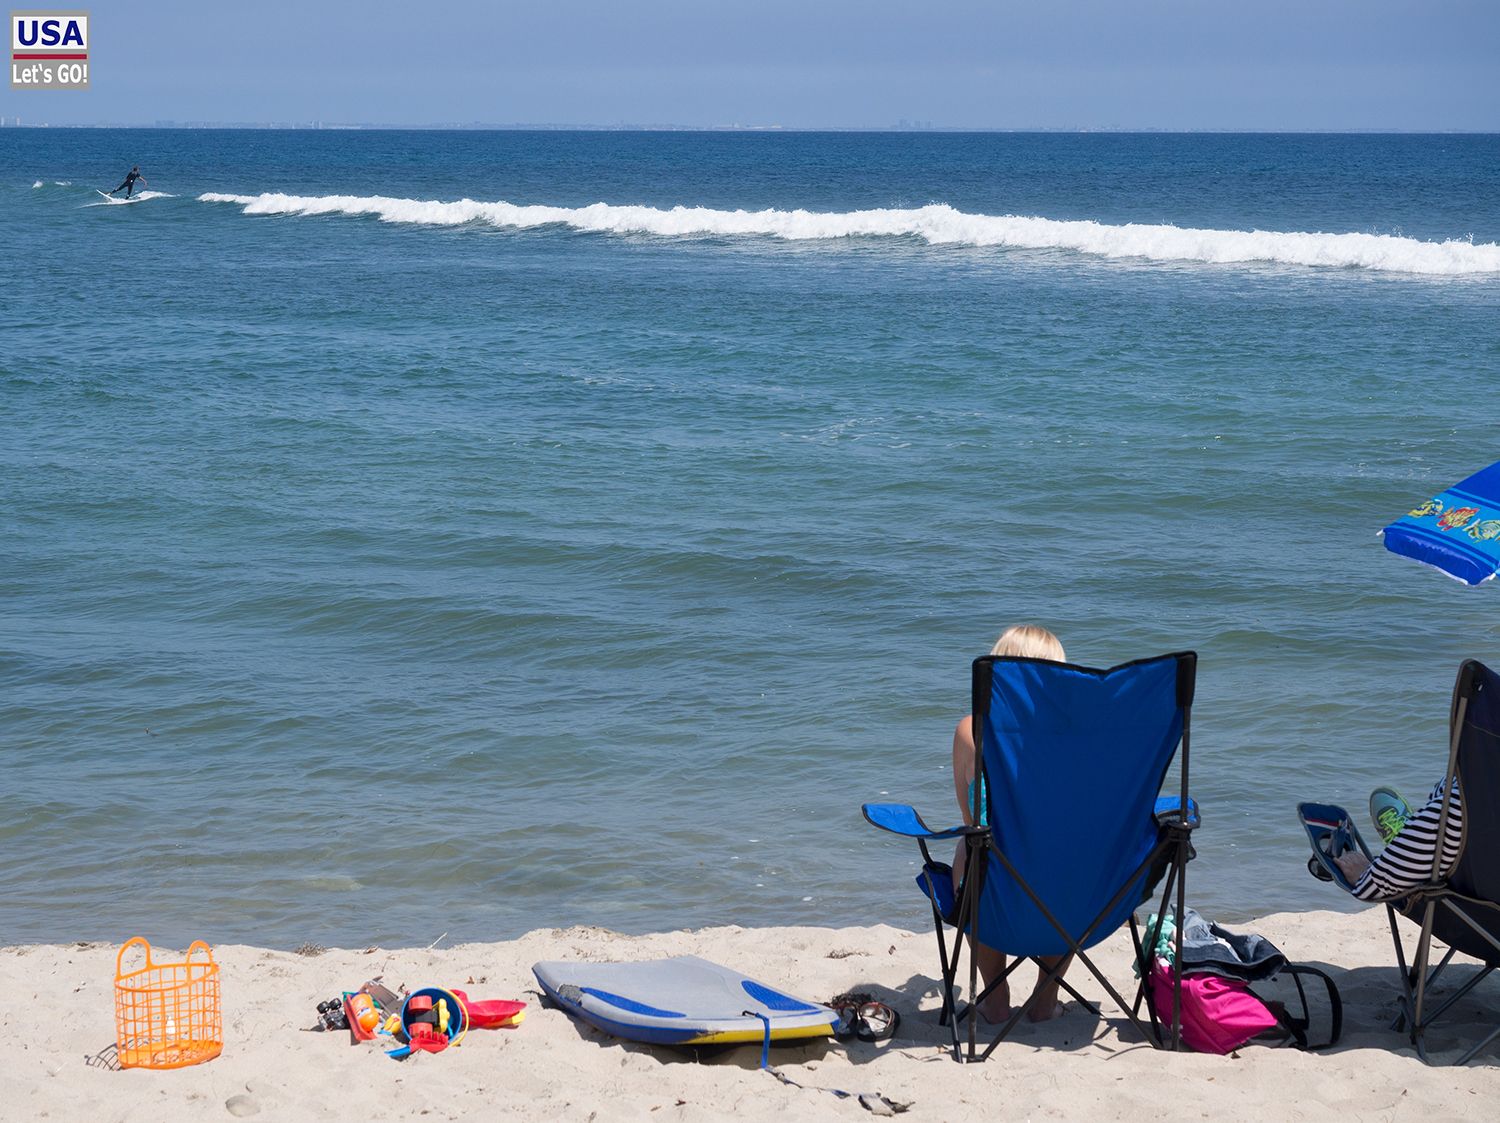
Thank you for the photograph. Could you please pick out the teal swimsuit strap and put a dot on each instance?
(984, 801)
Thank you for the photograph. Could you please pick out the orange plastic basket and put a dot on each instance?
(167, 1015)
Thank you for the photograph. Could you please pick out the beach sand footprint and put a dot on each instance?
(241, 1105)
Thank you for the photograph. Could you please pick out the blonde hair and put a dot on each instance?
(1029, 641)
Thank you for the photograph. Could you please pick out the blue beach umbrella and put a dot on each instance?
(1457, 531)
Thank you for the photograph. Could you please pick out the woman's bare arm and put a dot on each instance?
(963, 766)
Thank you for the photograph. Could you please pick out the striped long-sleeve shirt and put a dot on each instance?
(1407, 861)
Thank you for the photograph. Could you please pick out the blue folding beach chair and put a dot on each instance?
(1072, 760)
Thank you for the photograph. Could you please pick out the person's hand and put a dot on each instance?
(1352, 864)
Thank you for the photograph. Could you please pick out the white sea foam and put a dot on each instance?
(937, 225)
(55, 183)
(138, 197)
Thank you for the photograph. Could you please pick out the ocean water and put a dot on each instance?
(407, 534)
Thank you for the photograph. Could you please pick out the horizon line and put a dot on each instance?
(484, 126)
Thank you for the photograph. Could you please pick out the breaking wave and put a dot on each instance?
(938, 225)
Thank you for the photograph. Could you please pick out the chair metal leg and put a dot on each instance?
(1472, 1053)
(1173, 846)
(1419, 978)
(1477, 978)
(1419, 971)
(975, 871)
(1082, 1001)
(1175, 878)
(947, 1011)
(937, 924)
(1408, 1001)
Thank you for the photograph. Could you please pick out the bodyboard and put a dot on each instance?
(679, 1001)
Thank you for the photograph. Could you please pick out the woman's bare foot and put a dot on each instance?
(1045, 1012)
(995, 1009)
(1044, 1004)
(998, 1013)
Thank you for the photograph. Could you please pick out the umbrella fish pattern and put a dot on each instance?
(1457, 531)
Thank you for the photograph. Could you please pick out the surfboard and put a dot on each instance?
(115, 199)
(683, 1000)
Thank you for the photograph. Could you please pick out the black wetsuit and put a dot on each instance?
(129, 185)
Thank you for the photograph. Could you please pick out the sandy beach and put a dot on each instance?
(486, 467)
(1079, 1067)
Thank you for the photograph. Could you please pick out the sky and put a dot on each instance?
(1039, 64)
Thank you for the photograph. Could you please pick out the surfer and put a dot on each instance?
(129, 185)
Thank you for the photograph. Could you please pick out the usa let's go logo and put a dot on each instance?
(49, 50)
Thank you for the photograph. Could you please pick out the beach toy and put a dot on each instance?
(388, 999)
(370, 1010)
(426, 1039)
(331, 1014)
(419, 1017)
(167, 1015)
(365, 1012)
(357, 1032)
(432, 1018)
(492, 1013)
(427, 1001)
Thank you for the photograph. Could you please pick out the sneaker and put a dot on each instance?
(1390, 813)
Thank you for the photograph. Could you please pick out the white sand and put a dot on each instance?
(59, 1007)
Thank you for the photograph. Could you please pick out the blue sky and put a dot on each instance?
(1171, 64)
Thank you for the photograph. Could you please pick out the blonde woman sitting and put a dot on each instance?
(1033, 642)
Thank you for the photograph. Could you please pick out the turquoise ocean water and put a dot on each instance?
(375, 565)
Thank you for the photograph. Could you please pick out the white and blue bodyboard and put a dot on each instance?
(679, 1001)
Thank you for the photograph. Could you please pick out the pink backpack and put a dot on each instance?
(1218, 1015)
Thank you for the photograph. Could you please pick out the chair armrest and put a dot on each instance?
(902, 819)
(1167, 810)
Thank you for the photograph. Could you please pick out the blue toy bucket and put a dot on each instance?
(458, 1023)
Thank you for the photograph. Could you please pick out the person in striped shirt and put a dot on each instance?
(1406, 862)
